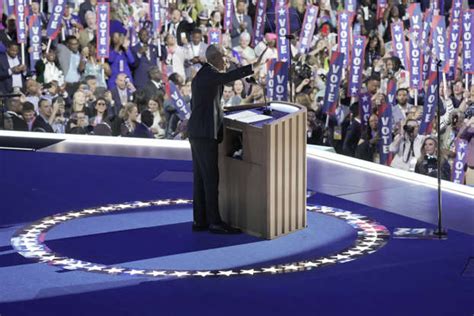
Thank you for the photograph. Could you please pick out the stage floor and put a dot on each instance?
(396, 276)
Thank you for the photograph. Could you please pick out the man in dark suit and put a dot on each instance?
(205, 133)
(241, 22)
(353, 132)
(15, 108)
(12, 70)
(41, 123)
(8, 34)
(154, 87)
(121, 94)
(146, 56)
(180, 23)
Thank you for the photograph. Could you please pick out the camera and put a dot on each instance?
(454, 119)
(469, 112)
(431, 163)
(303, 71)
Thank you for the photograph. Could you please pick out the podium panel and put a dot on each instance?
(263, 191)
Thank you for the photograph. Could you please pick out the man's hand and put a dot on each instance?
(142, 50)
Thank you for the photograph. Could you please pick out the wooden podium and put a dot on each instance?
(264, 192)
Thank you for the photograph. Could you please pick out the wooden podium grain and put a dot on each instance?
(264, 194)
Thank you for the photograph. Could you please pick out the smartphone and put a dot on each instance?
(183, 35)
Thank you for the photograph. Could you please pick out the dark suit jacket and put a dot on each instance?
(6, 80)
(235, 32)
(83, 8)
(351, 139)
(113, 111)
(19, 123)
(40, 125)
(143, 64)
(151, 90)
(207, 87)
(183, 26)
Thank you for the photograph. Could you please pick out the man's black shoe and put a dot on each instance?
(223, 228)
(200, 227)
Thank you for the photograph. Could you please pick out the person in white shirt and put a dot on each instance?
(406, 146)
(195, 52)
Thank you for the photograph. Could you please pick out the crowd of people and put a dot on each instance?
(70, 90)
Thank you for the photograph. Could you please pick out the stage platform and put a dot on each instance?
(102, 226)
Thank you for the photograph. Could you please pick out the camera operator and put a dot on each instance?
(427, 164)
(407, 146)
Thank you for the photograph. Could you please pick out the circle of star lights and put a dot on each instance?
(29, 242)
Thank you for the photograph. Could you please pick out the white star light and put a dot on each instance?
(180, 274)
(415, 34)
(467, 15)
(103, 7)
(415, 81)
(326, 260)
(114, 270)
(226, 273)
(95, 268)
(311, 264)
(180, 201)
(458, 4)
(214, 35)
(365, 98)
(249, 272)
(157, 273)
(90, 211)
(142, 204)
(312, 10)
(271, 270)
(462, 145)
(455, 27)
(467, 65)
(359, 41)
(106, 208)
(353, 253)
(135, 272)
(340, 257)
(167, 202)
(343, 16)
(103, 51)
(203, 273)
(281, 11)
(354, 90)
(397, 28)
(291, 267)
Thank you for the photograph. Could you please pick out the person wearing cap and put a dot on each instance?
(205, 131)
(202, 21)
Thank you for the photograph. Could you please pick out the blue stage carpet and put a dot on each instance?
(405, 277)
